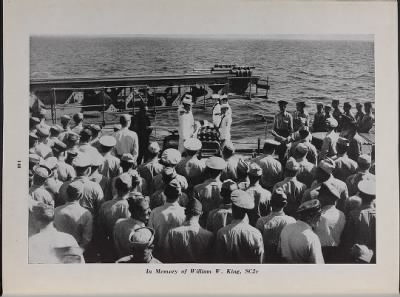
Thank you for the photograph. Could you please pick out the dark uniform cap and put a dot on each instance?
(142, 238)
(328, 188)
(320, 104)
(278, 196)
(194, 207)
(310, 206)
(242, 199)
(282, 102)
(335, 101)
(216, 163)
(347, 104)
(301, 103)
(368, 104)
(358, 104)
(107, 141)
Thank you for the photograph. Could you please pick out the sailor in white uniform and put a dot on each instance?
(216, 112)
(186, 121)
(226, 123)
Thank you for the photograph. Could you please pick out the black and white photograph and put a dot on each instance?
(216, 147)
(207, 149)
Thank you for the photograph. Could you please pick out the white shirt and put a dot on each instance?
(299, 244)
(330, 226)
(216, 115)
(43, 244)
(127, 142)
(328, 148)
(225, 127)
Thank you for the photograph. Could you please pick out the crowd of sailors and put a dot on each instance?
(98, 197)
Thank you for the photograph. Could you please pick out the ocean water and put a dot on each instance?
(306, 70)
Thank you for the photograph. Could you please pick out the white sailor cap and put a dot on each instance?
(108, 141)
(97, 159)
(82, 160)
(192, 144)
(224, 97)
(367, 187)
(215, 96)
(171, 157)
(216, 163)
(331, 122)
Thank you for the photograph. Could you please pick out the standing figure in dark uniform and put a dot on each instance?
(347, 116)
(319, 119)
(283, 126)
(141, 126)
(337, 113)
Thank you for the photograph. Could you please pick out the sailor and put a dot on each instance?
(331, 224)
(65, 123)
(360, 113)
(243, 181)
(261, 196)
(232, 160)
(356, 140)
(142, 247)
(328, 148)
(42, 118)
(140, 214)
(92, 195)
(292, 188)
(168, 216)
(72, 218)
(361, 224)
(300, 116)
(97, 177)
(307, 169)
(33, 124)
(328, 114)
(344, 166)
(96, 134)
(40, 175)
(367, 121)
(298, 242)
(323, 173)
(111, 164)
(319, 119)
(72, 141)
(226, 123)
(239, 242)
(271, 168)
(208, 192)
(189, 243)
(152, 167)
(110, 212)
(337, 113)
(283, 126)
(33, 141)
(169, 159)
(143, 130)
(43, 245)
(42, 147)
(347, 115)
(52, 184)
(40, 195)
(78, 123)
(222, 216)
(55, 131)
(364, 164)
(186, 120)
(191, 166)
(216, 110)
(271, 226)
(127, 140)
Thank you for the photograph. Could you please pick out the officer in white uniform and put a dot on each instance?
(186, 121)
(216, 112)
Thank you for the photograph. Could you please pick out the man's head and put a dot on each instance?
(86, 135)
(310, 212)
(342, 145)
(214, 166)
(78, 118)
(347, 106)
(278, 199)
(40, 175)
(187, 102)
(127, 162)
(255, 173)
(228, 186)
(224, 108)
(125, 120)
(301, 151)
(242, 202)
(359, 107)
(325, 169)
(269, 146)
(123, 184)
(335, 103)
(139, 208)
(72, 139)
(242, 169)
(82, 163)
(300, 106)
(228, 150)
(65, 120)
(173, 190)
(327, 109)
(367, 106)
(107, 143)
(282, 105)
(170, 157)
(193, 209)
(75, 190)
(292, 167)
(320, 106)
(192, 146)
(328, 194)
(364, 162)
(153, 149)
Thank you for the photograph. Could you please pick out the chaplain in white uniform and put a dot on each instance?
(186, 121)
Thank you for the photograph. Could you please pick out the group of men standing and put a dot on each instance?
(91, 200)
